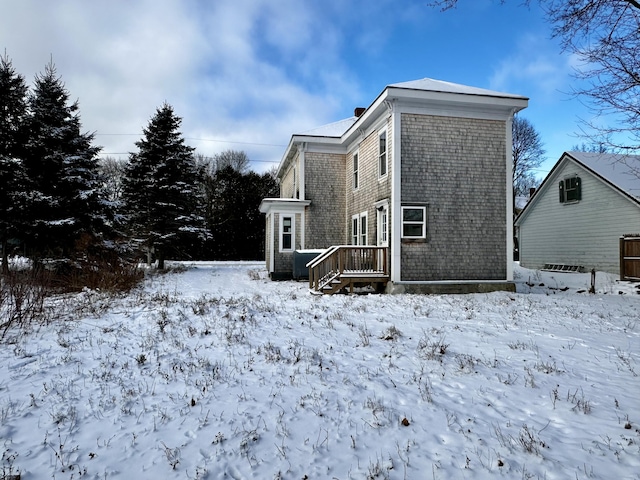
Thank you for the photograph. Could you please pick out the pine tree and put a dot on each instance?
(13, 111)
(160, 190)
(64, 204)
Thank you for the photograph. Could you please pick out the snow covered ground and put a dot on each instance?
(217, 372)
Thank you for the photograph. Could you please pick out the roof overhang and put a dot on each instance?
(292, 205)
(458, 101)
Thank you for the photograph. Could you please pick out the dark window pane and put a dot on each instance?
(412, 230)
(412, 215)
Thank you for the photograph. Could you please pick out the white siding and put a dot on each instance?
(585, 233)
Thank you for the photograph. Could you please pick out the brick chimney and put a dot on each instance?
(359, 111)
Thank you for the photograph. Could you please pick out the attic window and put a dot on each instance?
(570, 190)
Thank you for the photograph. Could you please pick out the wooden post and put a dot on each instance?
(622, 272)
(592, 289)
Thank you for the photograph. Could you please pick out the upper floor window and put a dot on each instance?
(414, 222)
(570, 190)
(355, 170)
(382, 154)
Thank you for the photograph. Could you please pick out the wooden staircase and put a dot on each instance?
(351, 266)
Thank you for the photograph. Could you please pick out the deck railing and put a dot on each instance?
(351, 259)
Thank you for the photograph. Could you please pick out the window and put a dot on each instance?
(295, 183)
(286, 233)
(414, 222)
(359, 229)
(570, 190)
(355, 170)
(382, 154)
(354, 229)
(363, 228)
(383, 225)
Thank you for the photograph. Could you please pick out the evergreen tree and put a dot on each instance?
(13, 111)
(64, 204)
(160, 190)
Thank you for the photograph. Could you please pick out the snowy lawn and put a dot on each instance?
(217, 372)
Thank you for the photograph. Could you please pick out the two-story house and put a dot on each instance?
(423, 175)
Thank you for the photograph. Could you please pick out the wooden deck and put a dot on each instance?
(345, 267)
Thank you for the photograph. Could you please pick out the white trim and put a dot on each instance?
(509, 186)
(356, 233)
(382, 208)
(364, 216)
(301, 165)
(396, 195)
(423, 222)
(355, 229)
(272, 240)
(355, 173)
(381, 132)
(281, 233)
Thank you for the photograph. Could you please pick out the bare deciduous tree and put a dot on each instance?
(238, 160)
(527, 154)
(605, 36)
(112, 171)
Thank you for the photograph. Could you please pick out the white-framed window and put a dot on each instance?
(359, 229)
(383, 225)
(287, 233)
(363, 228)
(414, 222)
(382, 153)
(355, 171)
(355, 228)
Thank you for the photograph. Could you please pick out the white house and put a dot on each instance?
(577, 216)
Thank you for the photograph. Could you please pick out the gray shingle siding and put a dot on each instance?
(457, 166)
(372, 187)
(325, 184)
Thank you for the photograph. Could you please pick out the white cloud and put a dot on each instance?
(537, 64)
(235, 70)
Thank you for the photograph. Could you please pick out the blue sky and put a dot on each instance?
(246, 74)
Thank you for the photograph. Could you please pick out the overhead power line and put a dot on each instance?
(279, 145)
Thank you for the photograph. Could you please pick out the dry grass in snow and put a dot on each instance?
(216, 372)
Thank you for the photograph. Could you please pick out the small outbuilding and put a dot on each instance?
(575, 220)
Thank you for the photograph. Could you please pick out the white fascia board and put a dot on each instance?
(281, 205)
(298, 140)
(459, 110)
(369, 121)
(427, 96)
(326, 148)
(286, 157)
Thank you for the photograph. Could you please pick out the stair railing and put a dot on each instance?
(338, 259)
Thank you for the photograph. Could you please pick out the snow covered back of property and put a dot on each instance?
(217, 372)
